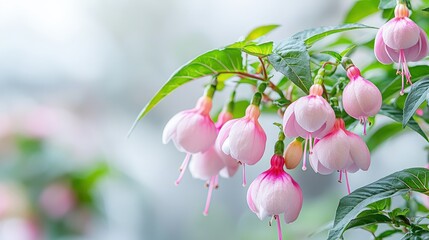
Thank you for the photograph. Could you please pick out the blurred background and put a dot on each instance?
(74, 75)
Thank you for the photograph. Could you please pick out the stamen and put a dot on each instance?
(182, 168)
(270, 223)
(304, 161)
(347, 182)
(244, 175)
(279, 228)
(216, 182)
(209, 195)
(365, 121)
(311, 144)
(341, 176)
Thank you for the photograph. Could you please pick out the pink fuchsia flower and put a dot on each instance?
(243, 139)
(192, 131)
(275, 192)
(401, 40)
(57, 200)
(309, 117)
(206, 166)
(361, 98)
(340, 150)
(231, 164)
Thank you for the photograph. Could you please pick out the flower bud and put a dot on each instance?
(293, 154)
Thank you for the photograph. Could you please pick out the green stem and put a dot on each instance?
(264, 70)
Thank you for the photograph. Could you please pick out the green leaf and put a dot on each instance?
(260, 31)
(418, 73)
(333, 54)
(386, 4)
(259, 50)
(361, 10)
(382, 134)
(211, 63)
(415, 98)
(396, 114)
(426, 9)
(368, 220)
(388, 233)
(413, 179)
(346, 52)
(381, 205)
(313, 35)
(292, 59)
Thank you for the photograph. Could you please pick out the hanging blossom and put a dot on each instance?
(309, 117)
(275, 192)
(192, 131)
(244, 139)
(231, 164)
(401, 40)
(207, 165)
(340, 150)
(361, 98)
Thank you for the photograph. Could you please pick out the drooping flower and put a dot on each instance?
(400, 40)
(206, 166)
(192, 131)
(243, 139)
(275, 192)
(340, 150)
(231, 164)
(309, 117)
(361, 98)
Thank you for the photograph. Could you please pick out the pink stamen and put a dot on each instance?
(279, 227)
(182, 168)
(304, 161)
(341, 176)
(311, 144)
(209, 195)
(347, 182)
(365, 121)
(216, 182)
(244, 175)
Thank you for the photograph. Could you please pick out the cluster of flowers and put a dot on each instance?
(220, 148)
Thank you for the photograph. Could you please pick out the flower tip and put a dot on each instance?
(176, 183)
(304, 168)
(205, 213)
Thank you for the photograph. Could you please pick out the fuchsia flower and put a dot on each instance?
(243, 139)
(401, 40)
(192, 131)
(341, 151)
(361, 98)
(231, 164)
(275, 192)
(309, 117)
(207, 165)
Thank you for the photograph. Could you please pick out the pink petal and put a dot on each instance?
(361, 98)
(206, 165)
(310, 112)
(380, 48)
(419, 50)
(224, 134)
(318, 167)
(171, 126)
(359, 151)
(252, 193)
(196, 133)
(247, 141)
(333, 150)
(401, 33)
(295, 200)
